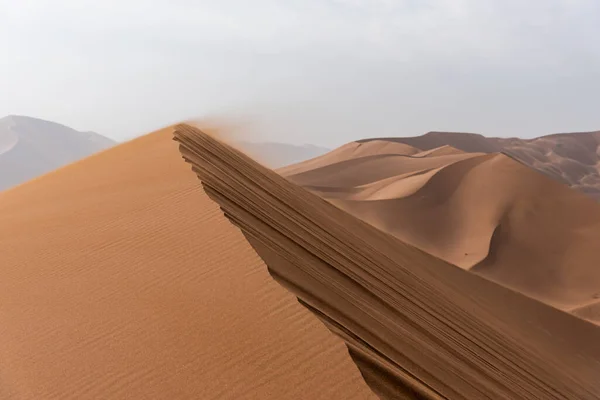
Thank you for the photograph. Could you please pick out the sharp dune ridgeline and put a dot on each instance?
(122, 280)
(415, 325)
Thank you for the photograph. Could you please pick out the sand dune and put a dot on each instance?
(467, 142)
(350, 151)
(573, 158)
(416, 326)
(364, 170)
(122, 280)
(482, 212)
(439, 151)
(589, 311)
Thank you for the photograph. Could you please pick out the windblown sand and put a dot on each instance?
(122, 280)
(417, 326)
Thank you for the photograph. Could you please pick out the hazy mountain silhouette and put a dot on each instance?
(30, 147)
(572, 158)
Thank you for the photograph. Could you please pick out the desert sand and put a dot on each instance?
(572, 158)
(449, 270)
(122, 280)
(486, 213)
(416, 325)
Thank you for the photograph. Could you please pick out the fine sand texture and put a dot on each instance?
(417, 326)
(122, 280)
(486, 213)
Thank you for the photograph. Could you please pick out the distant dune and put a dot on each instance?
(122, 280)
(449, 270)
(486, 213)
(416, 326)
(573, 158)
(30, 147)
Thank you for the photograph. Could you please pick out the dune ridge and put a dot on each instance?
(350, 151)
(120, 279)
(572, 158)
(489, 213)
(416, 326)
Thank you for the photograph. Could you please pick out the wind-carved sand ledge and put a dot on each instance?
(483, 212)
(416, 326)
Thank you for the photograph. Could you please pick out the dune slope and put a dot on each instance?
(122, 280)
(346, 152)
(416, 326)
(487, 213)
(572, 158)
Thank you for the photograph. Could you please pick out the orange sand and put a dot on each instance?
(483, 212)
(573, 158)
(416, 326)
(121, 280)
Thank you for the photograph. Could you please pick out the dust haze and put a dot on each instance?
(320, 72)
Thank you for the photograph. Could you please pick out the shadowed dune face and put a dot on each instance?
(589, 311)
(482, 212)
(122, 280)
(416, 326)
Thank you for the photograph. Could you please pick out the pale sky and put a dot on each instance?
(305, 71)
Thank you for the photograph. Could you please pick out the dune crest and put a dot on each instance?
(572, 158)
(349, 151)
(416, 326)
(485, 212)
(122, 280)
(439, 151)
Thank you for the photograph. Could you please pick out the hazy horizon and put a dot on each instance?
(319, 72)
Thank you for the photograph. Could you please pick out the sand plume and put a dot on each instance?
(416, 326)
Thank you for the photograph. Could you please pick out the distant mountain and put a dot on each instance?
(573, 158)
(30, 147)
(275, 155)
